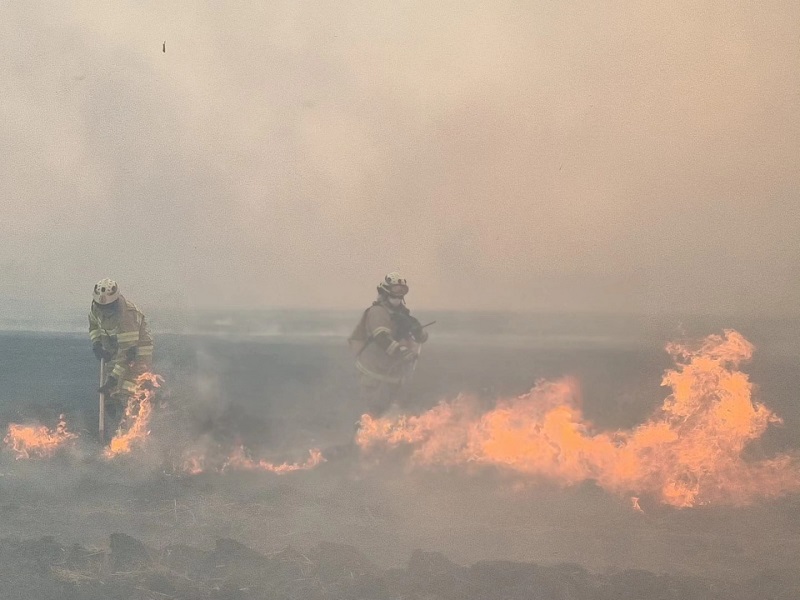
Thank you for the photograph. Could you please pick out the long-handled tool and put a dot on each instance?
(102, 422)
(409, 374)
(416, 360)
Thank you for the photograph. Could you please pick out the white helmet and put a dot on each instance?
(393, 285)
(106, 291)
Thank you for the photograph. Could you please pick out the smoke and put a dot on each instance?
(504, 156)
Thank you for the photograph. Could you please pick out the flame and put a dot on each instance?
(37, 441)
(240, 460)
(688, 453)
(138, 412)
(194, 465)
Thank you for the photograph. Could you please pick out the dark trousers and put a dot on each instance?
(377, 396)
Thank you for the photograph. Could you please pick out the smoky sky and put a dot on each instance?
(502, 155)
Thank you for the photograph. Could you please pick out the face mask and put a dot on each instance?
(395, 301)
(108, 308)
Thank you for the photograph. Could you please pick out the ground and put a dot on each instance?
(80, 526)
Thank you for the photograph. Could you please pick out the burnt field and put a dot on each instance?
(363, 525)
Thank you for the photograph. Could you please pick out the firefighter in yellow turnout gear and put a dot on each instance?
(120, 335)
(386, 342)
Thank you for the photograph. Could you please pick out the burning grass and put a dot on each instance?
(689, 453)
(195, 462)
(134, 427)
(38, 441)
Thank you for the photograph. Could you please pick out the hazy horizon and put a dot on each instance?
(543, 328)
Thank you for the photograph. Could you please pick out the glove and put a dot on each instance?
(100, 352)
(419, 334)
(130, 354)
(108, 386)
(406, 354)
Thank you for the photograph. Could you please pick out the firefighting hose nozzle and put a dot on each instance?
(102, 420)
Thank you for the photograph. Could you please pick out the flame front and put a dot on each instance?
(688, 453)
(240, 460)
(137, 417)
(37, 441)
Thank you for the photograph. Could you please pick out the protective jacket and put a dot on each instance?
(123, 332)
(378, 340)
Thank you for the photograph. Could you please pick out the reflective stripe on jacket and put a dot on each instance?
(118, 330)
(373, 361)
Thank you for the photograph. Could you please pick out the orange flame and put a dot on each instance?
(194, 465)
(137, 415)
(37, 441)
(240, 460)
(688, 453)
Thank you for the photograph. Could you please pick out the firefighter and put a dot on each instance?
(386, 343)
(120, 335)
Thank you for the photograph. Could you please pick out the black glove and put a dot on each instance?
(130, 354)
(100, 352)
(109, 385)
(418, 333)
